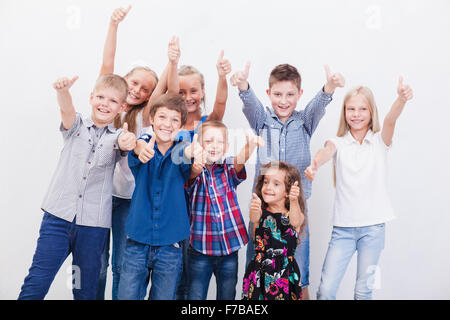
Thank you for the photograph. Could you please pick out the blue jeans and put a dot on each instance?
(368, 242)
(301, 252)
(57, 239)
(164, 264)
(120, 211)
(183, 286)
(201, 268)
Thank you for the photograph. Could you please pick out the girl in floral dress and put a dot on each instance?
(277, 212)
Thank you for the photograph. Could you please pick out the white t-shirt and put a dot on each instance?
(123, 183)
(361, 181)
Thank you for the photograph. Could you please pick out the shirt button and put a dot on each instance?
(84, 178)
(80, 196)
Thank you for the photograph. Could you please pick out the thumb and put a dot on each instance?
(125, 127)
(247, 67)
(327, 70)
(128, 9)
(222, 53)
(255, 196)
(296, 183)
(400, 82)
(74, 79)
(152, 141)
(195, 139)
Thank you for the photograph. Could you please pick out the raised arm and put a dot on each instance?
(405, 93)
(296, 215)
(68, 113)
(247, 150)
(322, 156)
(223, 68)
(109, 50)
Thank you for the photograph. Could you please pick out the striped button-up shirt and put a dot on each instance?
(217, 225)
(289, 142)
(82, 183)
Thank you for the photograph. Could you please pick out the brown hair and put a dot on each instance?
(131, 114)
(285, 72)
(171, 101)
(291, 175)
(211, 124)
(188, 70)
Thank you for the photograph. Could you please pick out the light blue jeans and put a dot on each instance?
(368, 242)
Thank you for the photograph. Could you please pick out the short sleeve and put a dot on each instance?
(76, 125)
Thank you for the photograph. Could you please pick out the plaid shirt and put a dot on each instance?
(217, 225)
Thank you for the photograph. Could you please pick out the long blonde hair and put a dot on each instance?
(374, 124)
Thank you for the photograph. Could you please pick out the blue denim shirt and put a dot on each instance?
(158, 212)
(289, 142)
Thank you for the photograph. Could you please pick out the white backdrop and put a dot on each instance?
(371, 42)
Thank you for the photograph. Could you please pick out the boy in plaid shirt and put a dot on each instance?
(217, 227)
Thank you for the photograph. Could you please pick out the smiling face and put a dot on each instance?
(284, 96)
(273, 188)
(214, 142)
(166, 124)
(192, 92)
(357, 113)
(141, 83)
(106, 104)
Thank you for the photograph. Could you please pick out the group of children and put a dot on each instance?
(148, 165)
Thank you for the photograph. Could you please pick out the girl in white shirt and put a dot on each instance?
(362, 205)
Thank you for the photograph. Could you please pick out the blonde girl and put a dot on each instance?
(143, 88)
(362, 205)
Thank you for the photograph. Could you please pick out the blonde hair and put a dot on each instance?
(187, 71)
(112, 81)
(374, 124)
(131, 115)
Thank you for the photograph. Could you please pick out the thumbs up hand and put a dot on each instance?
(119, 14)
(334, 80)
(239, 78)
(223, 65)
(310, 172)
(127, 139)
(294, 193)
(405, 92)
(148, 151)
(255, 208)
(64, 84)
(174, 50)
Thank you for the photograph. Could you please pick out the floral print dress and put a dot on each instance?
(273, 273)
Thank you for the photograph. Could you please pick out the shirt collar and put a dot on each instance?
(350, 139)
(89, 123)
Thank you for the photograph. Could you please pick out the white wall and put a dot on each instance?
(370, 42)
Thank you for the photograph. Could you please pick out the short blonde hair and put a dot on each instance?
(113, 81)
(368, 95)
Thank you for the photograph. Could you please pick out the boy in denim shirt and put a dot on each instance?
(77, 207)
(287, 132)
(158, 221)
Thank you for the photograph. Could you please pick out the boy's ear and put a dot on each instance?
(268, 92)
(91, 97)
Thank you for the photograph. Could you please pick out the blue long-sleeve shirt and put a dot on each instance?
(158, 212)
(289, 142)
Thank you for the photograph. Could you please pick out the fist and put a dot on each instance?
(223, 65)
(254, 141)
(148, 152)
(127, 139)
(334, 80)
(294, 193)
(255, 205)
(119, 14)
(64, 84)
(310, 172)
(174, 50)
(404, 92)
(239, 78)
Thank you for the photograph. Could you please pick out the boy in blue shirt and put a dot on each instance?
(287, 132)
(158, 221)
